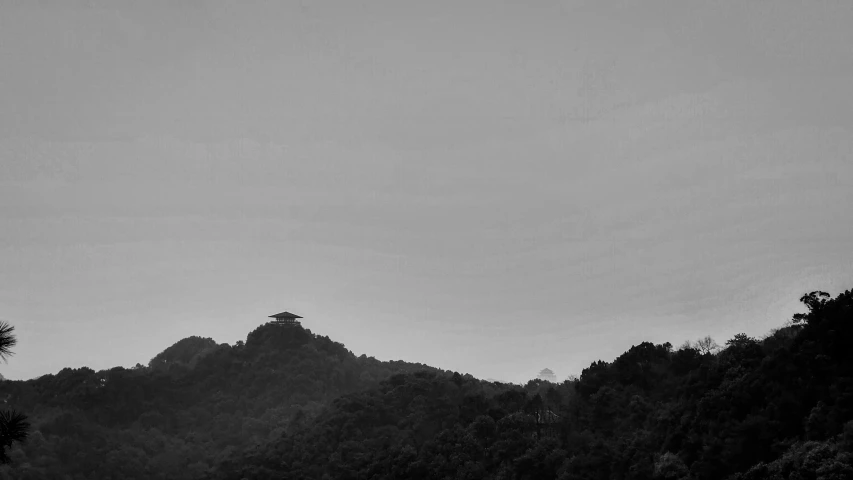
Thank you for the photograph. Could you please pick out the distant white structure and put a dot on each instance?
(548, 375)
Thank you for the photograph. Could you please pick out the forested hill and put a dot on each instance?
(776, 408)
(288, 404)
(193, 404)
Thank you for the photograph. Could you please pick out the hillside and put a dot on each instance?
(780, 407)
(193, 404)
(289, 404)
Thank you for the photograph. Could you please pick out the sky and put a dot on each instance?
(491, 187)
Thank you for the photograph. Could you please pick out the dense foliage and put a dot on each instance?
(781, 407)
(292, 405)
(195, 402)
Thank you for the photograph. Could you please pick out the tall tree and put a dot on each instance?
(13, 425)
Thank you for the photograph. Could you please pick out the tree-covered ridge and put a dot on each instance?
(419, 425)
(289, 404)
(194, 403)
(780, 407)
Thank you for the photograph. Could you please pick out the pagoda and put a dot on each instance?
(285, 319)
(547, 374)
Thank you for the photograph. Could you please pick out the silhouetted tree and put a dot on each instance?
(740, 340)
(706, 345)
(13, 425)
(814, 301)
(7, 341)
(13, 428)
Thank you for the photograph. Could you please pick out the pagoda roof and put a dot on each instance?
(546, 372)
(285, 315)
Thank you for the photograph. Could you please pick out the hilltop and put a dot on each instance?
(193, 403)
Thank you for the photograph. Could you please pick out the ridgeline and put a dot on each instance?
(289, 404)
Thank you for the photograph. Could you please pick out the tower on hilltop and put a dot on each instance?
(548, 375)
(285, 319)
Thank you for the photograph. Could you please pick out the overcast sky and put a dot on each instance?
(491, 187)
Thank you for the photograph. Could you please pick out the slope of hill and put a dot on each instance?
(781, 407)
(195, 402)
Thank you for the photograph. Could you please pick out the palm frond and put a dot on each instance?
(14, 427)
(7, 340)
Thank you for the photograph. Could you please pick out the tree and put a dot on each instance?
(13, 428)
(740, 340)
(13, 425)
(814, 301)
(706, 345)
(7, 341)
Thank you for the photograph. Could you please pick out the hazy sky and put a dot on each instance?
(492, 187)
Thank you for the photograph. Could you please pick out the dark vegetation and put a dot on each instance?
(194, 404)
(14, 426)
(291, 405)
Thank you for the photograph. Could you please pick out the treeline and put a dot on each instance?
(776, 408)
(288, 404)
(192, 405)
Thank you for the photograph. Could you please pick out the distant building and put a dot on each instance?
(285, 319)
(547, 374)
